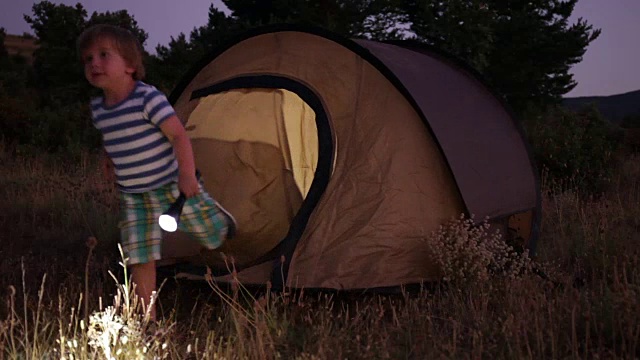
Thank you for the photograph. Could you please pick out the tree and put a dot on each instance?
(525, 49)
(460, 27)
(3, 50)
(351, 18)
(122, 19)
(385, 24)
(58, 71)
(170, 63)
(56, 24)
(57, 111)
(15, 100)
(176, 58)
(219, 28)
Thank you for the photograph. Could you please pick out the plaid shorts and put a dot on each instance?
(141, 236)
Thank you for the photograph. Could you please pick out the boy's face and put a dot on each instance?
(104, 67)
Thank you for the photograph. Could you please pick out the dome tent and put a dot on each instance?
(339, 157)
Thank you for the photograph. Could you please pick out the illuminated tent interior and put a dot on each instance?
(339, 157)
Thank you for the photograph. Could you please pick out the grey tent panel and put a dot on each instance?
(480, 141)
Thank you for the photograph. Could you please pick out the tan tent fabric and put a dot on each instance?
(390, 184)
(390, 187)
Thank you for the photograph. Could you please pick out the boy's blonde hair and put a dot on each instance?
(124, 41)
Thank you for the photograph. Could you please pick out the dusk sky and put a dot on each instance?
(610, 66)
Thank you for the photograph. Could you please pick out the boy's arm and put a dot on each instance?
(173, 129)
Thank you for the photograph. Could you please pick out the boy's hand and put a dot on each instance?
(188, 184)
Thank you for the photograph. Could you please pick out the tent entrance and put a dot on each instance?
(264, 155)
(267, 130)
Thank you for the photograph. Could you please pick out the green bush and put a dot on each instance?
(14, 119)
(38, 117)
(65, 128)
(574, 149)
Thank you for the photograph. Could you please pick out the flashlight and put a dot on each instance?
(169, 219)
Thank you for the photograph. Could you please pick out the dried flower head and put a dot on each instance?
(91, 242)
(468, 252)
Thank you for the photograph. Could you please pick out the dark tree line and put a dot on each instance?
(525, 49)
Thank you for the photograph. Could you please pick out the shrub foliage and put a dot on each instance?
(574, 149)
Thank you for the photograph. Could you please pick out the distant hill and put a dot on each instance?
(21, 45)
(613, 107)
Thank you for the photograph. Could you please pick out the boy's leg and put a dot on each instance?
(141, 237)
(144, 276)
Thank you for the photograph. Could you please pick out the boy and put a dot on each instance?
(149, 151)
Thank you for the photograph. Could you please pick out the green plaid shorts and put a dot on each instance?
(202, 218)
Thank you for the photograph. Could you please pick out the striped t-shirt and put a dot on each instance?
(143, 156)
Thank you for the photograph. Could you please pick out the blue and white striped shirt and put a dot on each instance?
(143, 156)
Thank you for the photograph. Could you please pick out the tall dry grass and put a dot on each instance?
(50, 206)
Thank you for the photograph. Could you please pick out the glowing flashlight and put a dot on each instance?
(169, 220)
